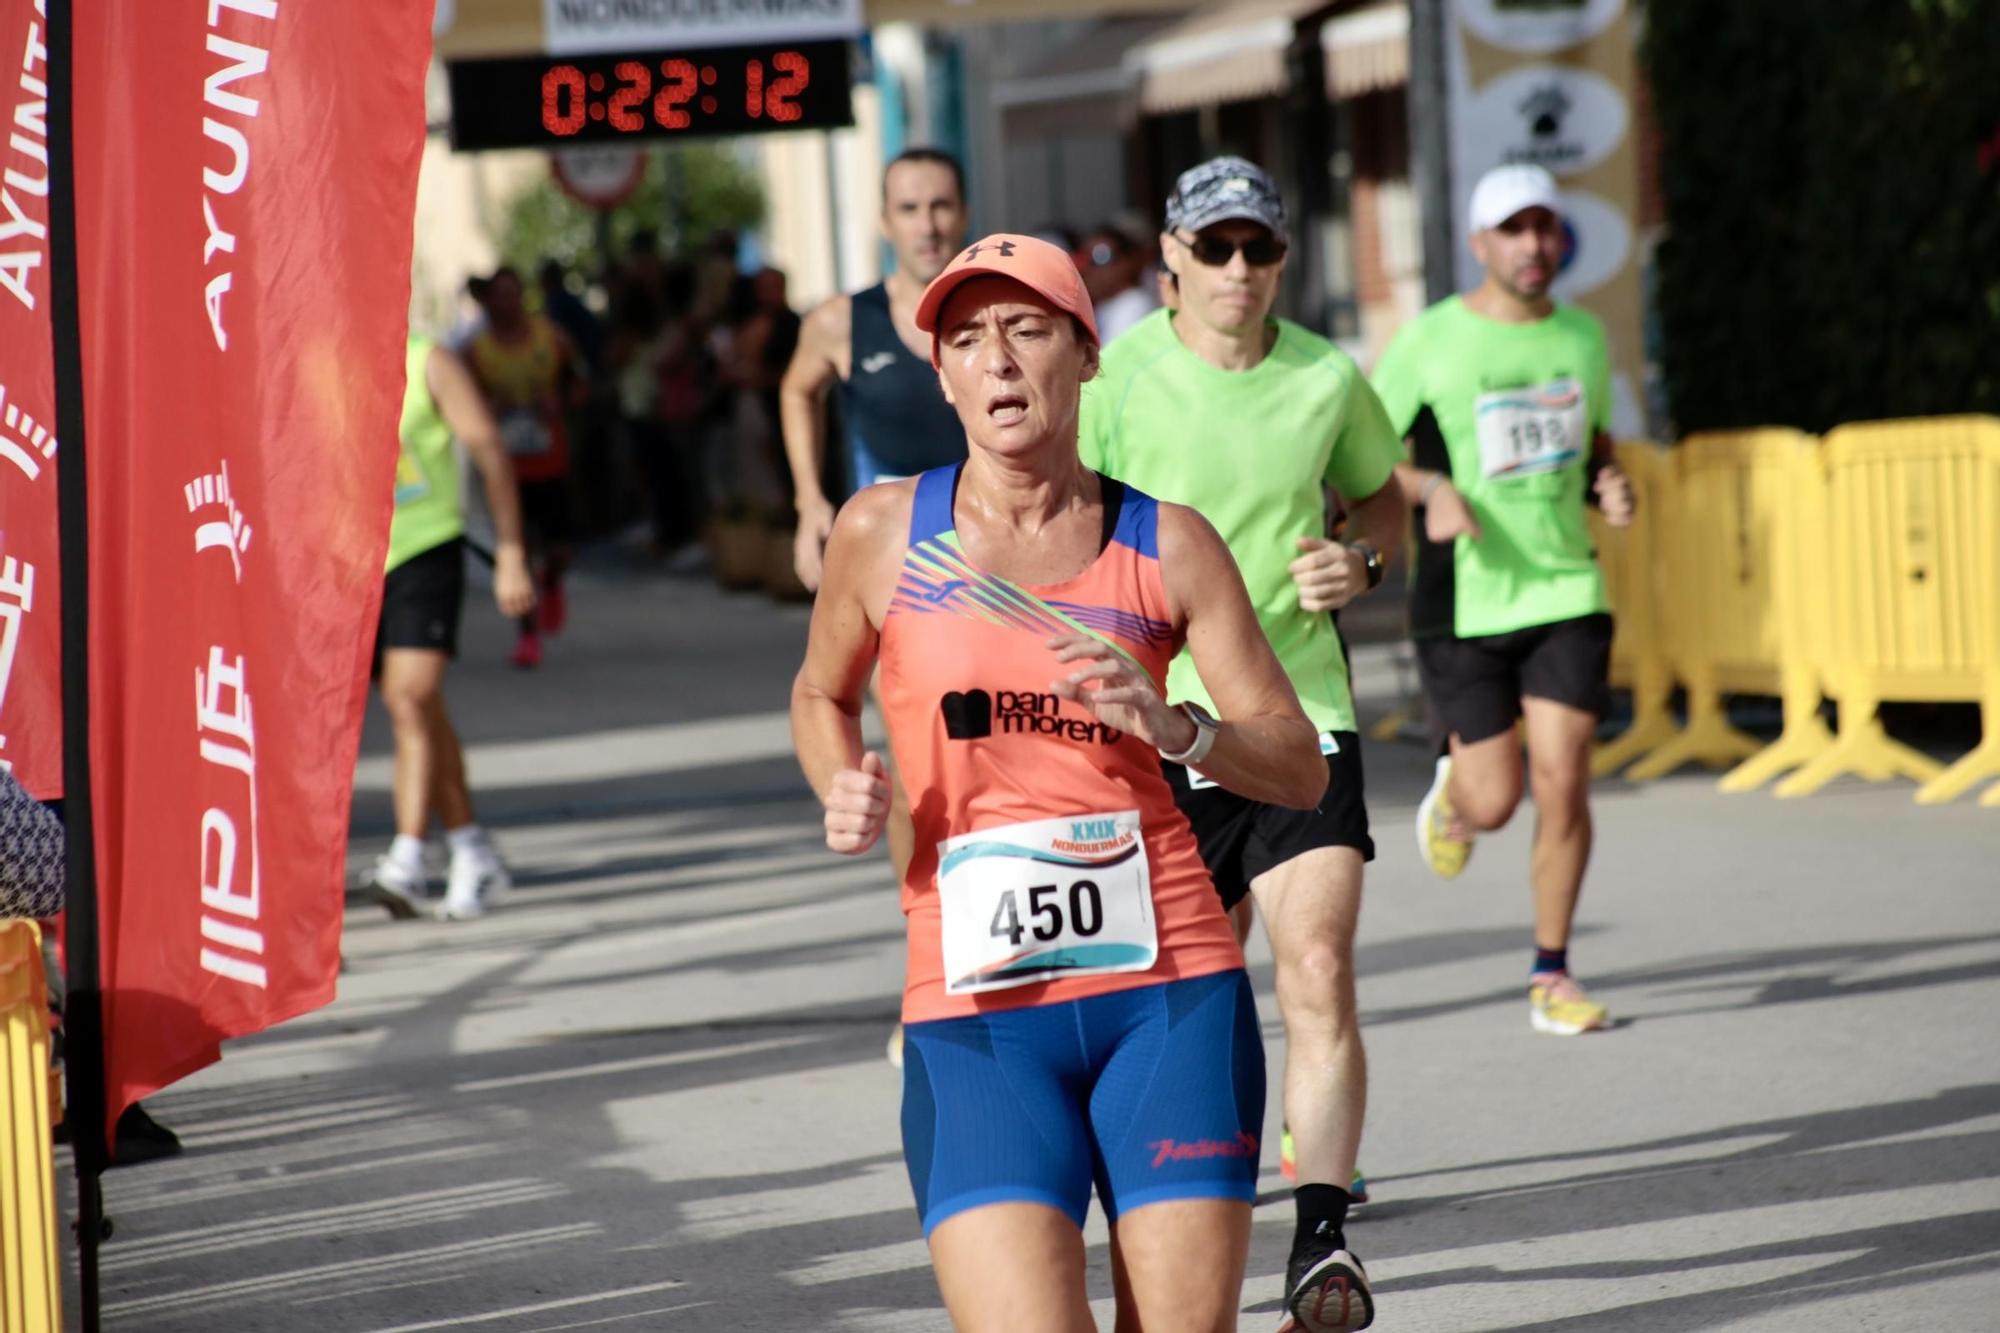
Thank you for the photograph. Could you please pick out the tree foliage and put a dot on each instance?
(689, 190)
(1832, 180)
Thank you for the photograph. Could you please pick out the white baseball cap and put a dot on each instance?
(1505, 191)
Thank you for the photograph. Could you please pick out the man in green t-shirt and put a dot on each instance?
(1505, 396)
(423, 591)
(1214, 404)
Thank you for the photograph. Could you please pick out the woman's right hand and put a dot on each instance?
(809, 542)
(857, 806)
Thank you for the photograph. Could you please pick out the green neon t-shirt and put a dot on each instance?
(427, 512)
(1251, 450)
(1510, 411)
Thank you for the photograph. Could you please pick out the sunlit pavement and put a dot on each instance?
(650, 1092)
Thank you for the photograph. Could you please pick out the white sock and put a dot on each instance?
(469, 840)
(407, 853)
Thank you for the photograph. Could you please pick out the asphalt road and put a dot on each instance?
(650, 1093)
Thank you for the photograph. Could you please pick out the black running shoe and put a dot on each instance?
(1326, 1290)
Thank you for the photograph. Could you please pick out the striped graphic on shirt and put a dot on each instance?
(937, 577)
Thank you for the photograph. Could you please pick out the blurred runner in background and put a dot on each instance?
(423, 593)
(527, 370)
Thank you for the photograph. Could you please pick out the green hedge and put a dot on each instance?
(1832, 179)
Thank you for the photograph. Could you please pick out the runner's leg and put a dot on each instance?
(451, 795)
(1310, 905)
(1009, 1267)
(1177, 1266)
(1486, 780)
(412, 679)
(1559, 740)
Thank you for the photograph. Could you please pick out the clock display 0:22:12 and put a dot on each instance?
(676, 93)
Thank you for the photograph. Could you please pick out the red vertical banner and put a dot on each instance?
(246, 184)
(30, 626)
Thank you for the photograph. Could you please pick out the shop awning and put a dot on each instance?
(1084, 83)
(1368, 50)
(1230, 53)
(955, 13)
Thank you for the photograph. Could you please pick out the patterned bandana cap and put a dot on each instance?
(1225, 189)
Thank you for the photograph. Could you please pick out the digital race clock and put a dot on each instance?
(547, 101)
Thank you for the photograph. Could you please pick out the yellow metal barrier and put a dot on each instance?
(1983, 762)
(1631, 561)
(1913, 508)
(1733, 525)
(1802, 603)
(30, 1290)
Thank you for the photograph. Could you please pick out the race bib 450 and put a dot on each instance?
(1049, 898)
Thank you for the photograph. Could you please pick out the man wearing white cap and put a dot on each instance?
(1505, 397)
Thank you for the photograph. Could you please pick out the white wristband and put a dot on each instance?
(1204, 738)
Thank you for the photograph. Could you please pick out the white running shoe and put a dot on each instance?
(398, 889)
(476, 884)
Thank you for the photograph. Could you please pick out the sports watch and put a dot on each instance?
(1205, 728)
(1370, 557)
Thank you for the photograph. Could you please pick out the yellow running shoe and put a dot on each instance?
(1445, 855)
(1559, 1006)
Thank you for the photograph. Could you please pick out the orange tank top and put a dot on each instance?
(1051, 862)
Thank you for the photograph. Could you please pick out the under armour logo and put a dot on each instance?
(1006, 249)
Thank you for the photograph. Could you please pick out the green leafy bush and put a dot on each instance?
(689, 190)
(1832, 179)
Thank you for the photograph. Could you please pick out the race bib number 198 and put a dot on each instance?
(1050, 898)
(1529, 430)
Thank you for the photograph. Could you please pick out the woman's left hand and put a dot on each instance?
(1118, 693)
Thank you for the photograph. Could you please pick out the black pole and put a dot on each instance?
(1430, 142)
(1309, 114)
(83, 1012)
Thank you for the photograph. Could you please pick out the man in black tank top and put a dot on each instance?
(898, 422)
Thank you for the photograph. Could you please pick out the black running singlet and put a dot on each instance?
(898, 422)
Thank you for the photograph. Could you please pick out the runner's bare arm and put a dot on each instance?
(818, 362)
(1379, 519)
(1266, 748)
(464, 410)
(1446, 514)
(840, 656)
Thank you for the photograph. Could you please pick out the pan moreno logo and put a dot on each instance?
(972, 715)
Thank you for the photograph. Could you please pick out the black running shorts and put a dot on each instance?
(421, 601)
(1241, 839)
(1476, 685)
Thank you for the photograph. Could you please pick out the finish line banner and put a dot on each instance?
(477, 28)
(30, 624)
(245, 195)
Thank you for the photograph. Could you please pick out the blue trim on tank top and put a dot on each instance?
(930, 513)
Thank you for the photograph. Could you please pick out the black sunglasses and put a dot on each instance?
(1215, 251)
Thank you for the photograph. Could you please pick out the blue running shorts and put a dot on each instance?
(1151, 1094)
